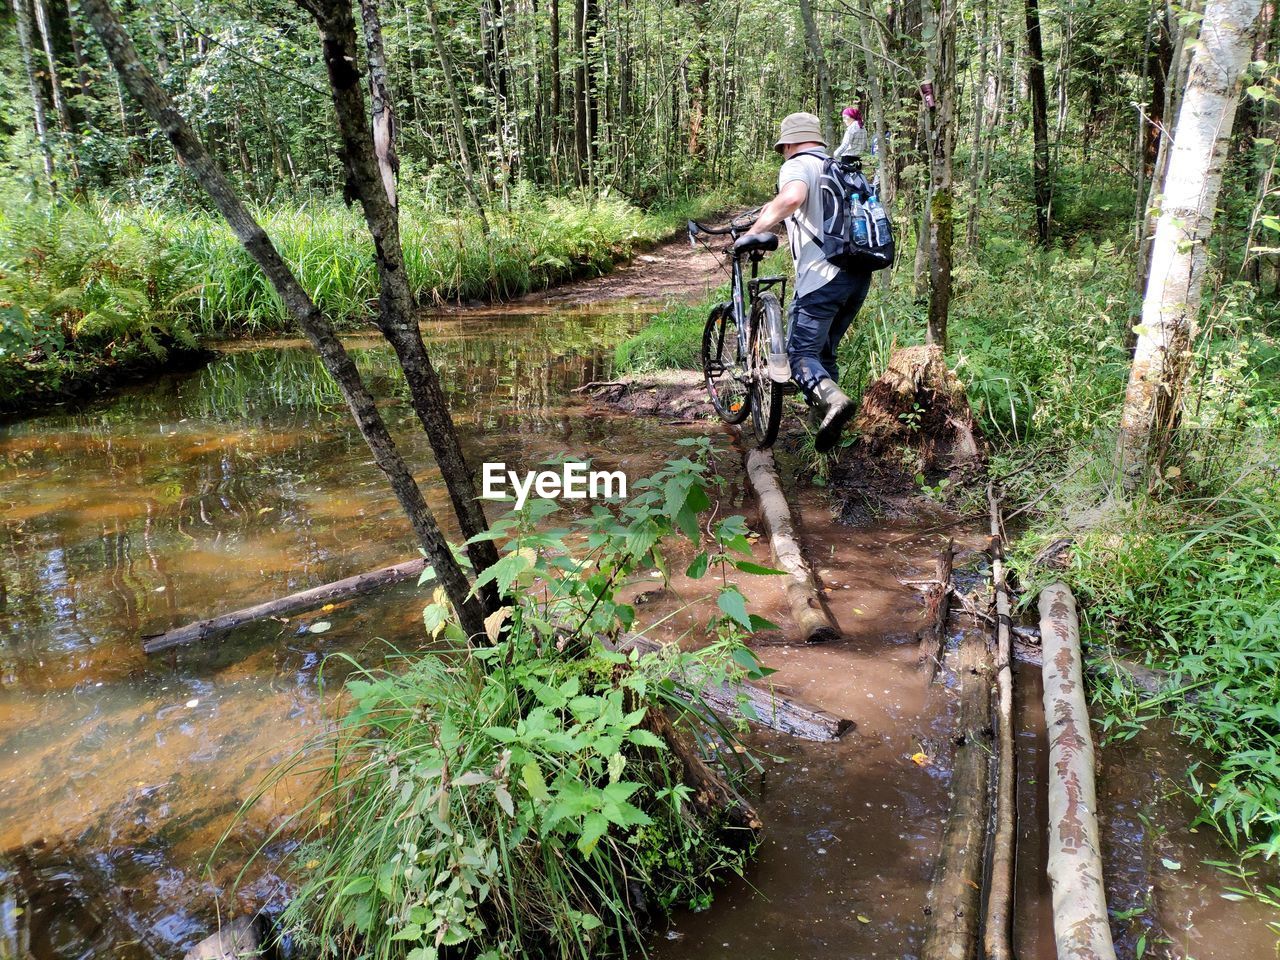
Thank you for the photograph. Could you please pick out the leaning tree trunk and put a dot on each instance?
(22, 16)
(1179, 253)
(397, 311)
(195, 157)
(1039, 121)
(942, 135)
(826, 106)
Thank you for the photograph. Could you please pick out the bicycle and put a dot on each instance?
(744, 353)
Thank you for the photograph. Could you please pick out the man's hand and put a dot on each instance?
(789, 199)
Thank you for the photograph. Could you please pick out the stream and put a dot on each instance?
(122, 776)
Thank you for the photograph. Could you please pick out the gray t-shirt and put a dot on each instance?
(813, 270)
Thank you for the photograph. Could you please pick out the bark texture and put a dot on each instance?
(1179, 252)
(1080, 923)
(191, 150)
(1039, 120)
(955, 899)
(397, 312)
(938, 602)
(807, 609)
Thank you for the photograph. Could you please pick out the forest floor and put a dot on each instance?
(879, 799)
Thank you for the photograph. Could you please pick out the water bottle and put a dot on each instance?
(861, 226)
(879, 220)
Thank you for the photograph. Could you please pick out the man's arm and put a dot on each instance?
(789, 199)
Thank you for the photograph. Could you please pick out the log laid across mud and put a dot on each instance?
(997, 936)
(938, 601)
(813, 620)
(773, 708)
(1080, 923)
(955, 898)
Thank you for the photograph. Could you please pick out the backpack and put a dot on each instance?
(856, 232)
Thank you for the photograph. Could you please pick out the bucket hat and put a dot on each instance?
(799, 128)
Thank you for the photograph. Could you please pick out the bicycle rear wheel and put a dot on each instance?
(766, 393)
(724, 369)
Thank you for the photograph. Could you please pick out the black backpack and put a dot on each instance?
(856, 232)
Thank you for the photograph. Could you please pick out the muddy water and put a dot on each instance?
(119, 774)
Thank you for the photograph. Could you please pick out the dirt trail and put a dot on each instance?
(853, 828)
(670, 271)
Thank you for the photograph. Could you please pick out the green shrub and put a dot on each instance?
(516, 797)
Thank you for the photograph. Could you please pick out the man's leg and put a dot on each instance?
(811, 319)
(857, 296)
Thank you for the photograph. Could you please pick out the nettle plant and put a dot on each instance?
(517, 799)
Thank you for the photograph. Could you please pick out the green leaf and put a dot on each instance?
(746, 566)
(505, 571)
(696, 569)
(531, 777)
(734, 606)
(357, 886)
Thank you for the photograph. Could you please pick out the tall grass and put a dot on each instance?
(84, 284)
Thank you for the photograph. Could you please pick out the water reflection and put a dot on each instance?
(243, 481)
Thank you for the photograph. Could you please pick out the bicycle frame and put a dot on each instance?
(743, 288)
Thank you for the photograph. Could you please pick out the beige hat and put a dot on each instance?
(799, 128)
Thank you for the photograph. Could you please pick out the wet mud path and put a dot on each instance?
(121, 775)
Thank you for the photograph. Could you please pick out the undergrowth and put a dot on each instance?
(85, 284)
(523, 798)
(1184, 577)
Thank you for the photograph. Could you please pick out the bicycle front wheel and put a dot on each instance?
(766, 393)
(724, 367)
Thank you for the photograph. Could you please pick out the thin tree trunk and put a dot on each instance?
(397, 311)
(826, 107)
(1179, 253)
(22, 15)
(581, 149)
(381, 101)
(191, 151)
(975, 144)
(941, 192)
(456, 116)
(1039, 121)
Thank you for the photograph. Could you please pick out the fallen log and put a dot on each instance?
(938, 601)
(955, 897)
(998, 932)
(1080, 923)
(810, 614)
(772, 707)
(303, 600)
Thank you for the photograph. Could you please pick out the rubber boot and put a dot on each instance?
(838, 410)
(814, 420)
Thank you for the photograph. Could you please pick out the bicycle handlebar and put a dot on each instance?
(736, 226)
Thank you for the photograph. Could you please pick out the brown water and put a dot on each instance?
(120, 773)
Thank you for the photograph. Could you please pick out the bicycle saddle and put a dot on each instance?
(756, 241)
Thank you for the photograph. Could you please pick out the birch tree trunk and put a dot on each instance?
(191, 151)
(1080, 922)
(456, 117)
(1179, 252)
(381, 101)
(826, 108)
(22, 16)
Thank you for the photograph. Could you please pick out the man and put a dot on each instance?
(826, 298)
